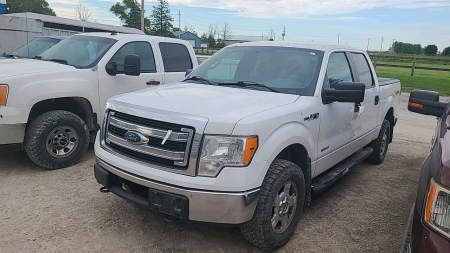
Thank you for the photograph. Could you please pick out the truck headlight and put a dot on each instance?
(437, 209)
(3, 94)
(220, 151)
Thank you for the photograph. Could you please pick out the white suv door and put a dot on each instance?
(151, 74)
(176, 60)
(338, 121)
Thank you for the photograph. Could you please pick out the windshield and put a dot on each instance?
(284, 69)
(34, 47)
(79, 51)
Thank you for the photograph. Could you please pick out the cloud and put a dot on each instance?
(67, 2)
(64, 12)
(301, 9)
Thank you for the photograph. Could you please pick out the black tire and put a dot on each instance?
(39, 131)
(259, 231)
(381, 144)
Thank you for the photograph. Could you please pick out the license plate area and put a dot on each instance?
(168, 203)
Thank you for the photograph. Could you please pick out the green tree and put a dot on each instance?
(204, 37)
(35, 6)
(129, 12)
(446, 51)
(430, 50)
(162, 20)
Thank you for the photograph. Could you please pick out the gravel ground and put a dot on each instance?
(63, 210)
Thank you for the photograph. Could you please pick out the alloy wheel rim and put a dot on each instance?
(284, 207)
(62, 141)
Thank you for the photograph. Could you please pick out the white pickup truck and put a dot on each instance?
(248, 136)
(50, 106)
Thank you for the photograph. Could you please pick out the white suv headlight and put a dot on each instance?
(437, 209)
(220, 151)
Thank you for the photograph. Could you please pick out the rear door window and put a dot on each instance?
(176, 57)
(363, 70)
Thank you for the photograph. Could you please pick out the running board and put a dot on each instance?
(323, 181)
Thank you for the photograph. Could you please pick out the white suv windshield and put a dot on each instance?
(34, 47)
(282, 69)
(79, 51)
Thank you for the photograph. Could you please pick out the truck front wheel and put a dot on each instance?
(279, 207)
(56, 139)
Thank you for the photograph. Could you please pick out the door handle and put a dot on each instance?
(377, 99)
(153, 82)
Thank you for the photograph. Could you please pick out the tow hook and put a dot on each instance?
(104, 190)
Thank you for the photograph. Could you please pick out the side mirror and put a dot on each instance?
(188, 72)
(347, 92)
(426, 102)
(111, 68)
(132, 65)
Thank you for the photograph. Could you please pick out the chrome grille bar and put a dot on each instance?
(145, 149)
(149, 132)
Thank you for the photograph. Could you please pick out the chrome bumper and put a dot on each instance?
(12, 134)
(204, 206)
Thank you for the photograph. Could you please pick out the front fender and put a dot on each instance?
(31, 89)
(282, 137)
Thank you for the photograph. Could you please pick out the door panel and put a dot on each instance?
(338, 121)
(369, 109)
(114, 85)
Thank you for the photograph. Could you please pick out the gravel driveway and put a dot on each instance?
(63, 210)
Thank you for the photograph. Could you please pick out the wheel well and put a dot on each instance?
(76, 105)
(296, 153)
(390, 118)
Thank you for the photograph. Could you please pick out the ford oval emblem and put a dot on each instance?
(135, 138)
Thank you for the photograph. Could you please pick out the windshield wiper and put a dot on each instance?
(38, 57)
(199, 78)
(249, 84)
(59, 61)
(10, 56)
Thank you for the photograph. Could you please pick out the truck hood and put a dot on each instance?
(16, 67)
(223, 106)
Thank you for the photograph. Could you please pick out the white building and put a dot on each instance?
(18, 28)
(233, 39)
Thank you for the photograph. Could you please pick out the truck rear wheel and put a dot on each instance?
(279, 207)
(56, 139)
(380, 144)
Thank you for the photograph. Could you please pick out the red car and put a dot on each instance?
(429, 225)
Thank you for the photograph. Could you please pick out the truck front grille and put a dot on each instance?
(165, 144)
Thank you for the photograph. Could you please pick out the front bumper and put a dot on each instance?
(191, 204)
(11, 137)
(424, 239)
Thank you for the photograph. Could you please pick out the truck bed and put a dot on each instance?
(387, 81)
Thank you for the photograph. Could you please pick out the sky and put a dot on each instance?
(372, 24)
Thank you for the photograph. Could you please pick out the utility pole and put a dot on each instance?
(179, 24)
(142, 16)
(339, 38)
(368, 42)
(284, 32)
(262, 36)
(382, 39)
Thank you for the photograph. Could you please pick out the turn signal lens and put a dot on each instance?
(415, 105)
(3, 94)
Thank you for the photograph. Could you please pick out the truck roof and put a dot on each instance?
(313, 46)
(119, 36)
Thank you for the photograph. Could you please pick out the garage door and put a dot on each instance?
(192, 42)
